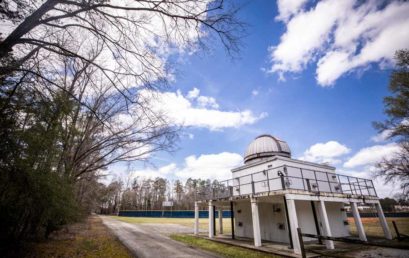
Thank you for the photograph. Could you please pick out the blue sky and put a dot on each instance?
(324, 113)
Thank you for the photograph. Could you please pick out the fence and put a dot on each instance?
(288, 177)
(170, 214)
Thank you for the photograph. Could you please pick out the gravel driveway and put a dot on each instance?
(152, 240)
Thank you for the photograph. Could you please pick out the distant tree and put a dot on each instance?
(178, 188)
(388, 204)
(396, 169)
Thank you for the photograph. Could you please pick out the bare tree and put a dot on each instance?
(135, 36)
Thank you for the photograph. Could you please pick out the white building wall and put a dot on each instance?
(305, 218)
(336, 219)
(243, 224)
(272, 221)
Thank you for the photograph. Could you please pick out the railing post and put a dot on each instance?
(373, 187)
(350, 186)
(316, 180)
(268, 182)
(302, 178)
(340, 184)
(367, 189)
(329, 183)
(308, 184)
(282, 180)
(359, 185)
(252, 185)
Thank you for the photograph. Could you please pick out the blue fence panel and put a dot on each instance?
(387, 214)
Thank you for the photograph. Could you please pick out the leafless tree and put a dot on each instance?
(135, 36)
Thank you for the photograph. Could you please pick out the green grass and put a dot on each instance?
(219, 248)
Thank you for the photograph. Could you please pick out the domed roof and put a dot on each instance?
(265, 146)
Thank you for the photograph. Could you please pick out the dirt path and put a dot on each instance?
(152, 240)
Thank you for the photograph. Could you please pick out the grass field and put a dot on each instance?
(222, 249)
(188, 222)
(373, 228)
(88, 239)
(371, 225)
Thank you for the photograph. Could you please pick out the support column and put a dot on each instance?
(382, 220)
(220, 220)
(358, 221)
(292, 216)
(256, 222)
(325, 224)
(232, 219)
(211, 220)
(196, 227)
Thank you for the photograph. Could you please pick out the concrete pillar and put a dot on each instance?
(325, 224)
(211, 220)
(358, 221)
(220, 220)
(256, 222)
(292, 216)
(196, 227)
(382, 220)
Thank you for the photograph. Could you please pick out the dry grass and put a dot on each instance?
(188, 222)
(373, 227)
(88, 239)
(221, 249)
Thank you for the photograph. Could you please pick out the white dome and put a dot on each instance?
(265, 146)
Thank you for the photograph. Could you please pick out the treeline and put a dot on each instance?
(149, 194)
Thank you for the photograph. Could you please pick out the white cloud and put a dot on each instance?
(385, 134)
(287, 8)
(340, 36)
(194, 93)
(371, 155)
(164, 171)
(382, 136)
(213, 166)
(325, 152)
(254, 92)
(181, 110)
(382, 189)
(205, 102)
(206, 166)
(191, 136)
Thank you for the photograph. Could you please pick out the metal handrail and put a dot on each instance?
(229, 188)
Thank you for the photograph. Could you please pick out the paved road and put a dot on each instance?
(152, 240)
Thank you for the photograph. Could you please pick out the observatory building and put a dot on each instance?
(272, 195)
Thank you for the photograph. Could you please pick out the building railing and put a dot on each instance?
(291, 178)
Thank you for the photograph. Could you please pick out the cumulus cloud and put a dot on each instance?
(287, 8)
(212, 166)
(328, 152)
(371, 155)
(163, 171)
(205, 166)
(339, 36)
(205, 102)
(193, 110)
(383, 190)
(194, 93)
